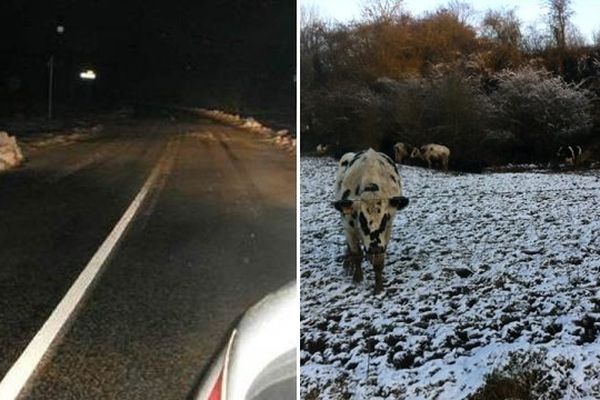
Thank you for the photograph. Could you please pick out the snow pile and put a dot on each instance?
(233, 119)
(205, 136)
(284, 140)
(10, 153)
(92, 130)
(542, 168)
(281, 138)
(221, 116)
(58, 139)
(481, 269)
(519, 168)
(254, 125)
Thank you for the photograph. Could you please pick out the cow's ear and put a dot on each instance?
(399, 202)
(344, 206)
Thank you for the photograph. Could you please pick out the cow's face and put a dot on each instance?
(372, 219)
(566, 154)
(415, 153)
(563, 152)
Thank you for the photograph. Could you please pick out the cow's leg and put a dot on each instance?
(429, 163)
(445, 163)
(378, 260)
(357, 275)
(352, 262)
(354, 256)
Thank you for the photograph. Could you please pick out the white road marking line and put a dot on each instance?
(22, 370)
(161, 181)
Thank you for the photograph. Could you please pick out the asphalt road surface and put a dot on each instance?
(215, 233)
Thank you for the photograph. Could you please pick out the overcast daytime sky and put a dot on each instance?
(529, 11)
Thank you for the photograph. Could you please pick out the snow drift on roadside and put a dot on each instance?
(10, 153)
(280, 138)
(43, 140)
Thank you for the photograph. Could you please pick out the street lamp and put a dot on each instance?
(88, 75)
(60, 29)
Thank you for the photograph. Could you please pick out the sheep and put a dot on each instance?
(401, 151)
(432, 153)
(322, 149)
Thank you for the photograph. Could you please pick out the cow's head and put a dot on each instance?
(372, 218)
(563, 152)
(566, 154)
(416, 153)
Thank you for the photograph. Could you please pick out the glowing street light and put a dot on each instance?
(88, 75)
(60, 29)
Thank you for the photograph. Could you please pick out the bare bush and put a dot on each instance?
(525, 376)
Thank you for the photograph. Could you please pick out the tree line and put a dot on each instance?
(492, 89)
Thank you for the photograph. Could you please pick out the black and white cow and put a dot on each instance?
(571, 155)
(368, 192)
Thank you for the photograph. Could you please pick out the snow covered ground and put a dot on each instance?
(481, 269)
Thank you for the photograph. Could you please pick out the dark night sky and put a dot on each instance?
(231, 51)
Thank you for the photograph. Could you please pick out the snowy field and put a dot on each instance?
(481, 269)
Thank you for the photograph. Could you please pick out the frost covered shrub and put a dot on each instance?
(449, 109)
(402, 109)
(524, 377)
(347, 116)
(457, 115)
(541, 110)
(497, 146)
(521, 116)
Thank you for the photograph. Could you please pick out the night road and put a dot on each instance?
(214, 233)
